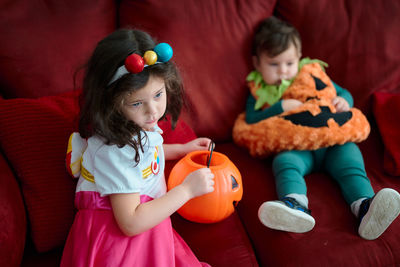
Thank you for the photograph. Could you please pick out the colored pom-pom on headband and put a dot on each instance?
(135, 63)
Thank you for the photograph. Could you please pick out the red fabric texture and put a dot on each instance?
(215, 62)
(387, 115)
(43, 43)
(33, 135)
(334, 241)
(12, 218)
(227, 236)
(358, 39)
(181, 134)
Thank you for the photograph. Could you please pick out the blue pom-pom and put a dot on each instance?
(164, 52)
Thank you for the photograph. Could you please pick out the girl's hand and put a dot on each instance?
(199, 182)
(289, 104)
(201, 143)
(340, 104)
(176, 151)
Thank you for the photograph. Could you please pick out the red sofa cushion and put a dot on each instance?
(12, 218)
(358, 39)
(219, 244)
(387, 115)
(334, 241)
(44, 42)
(34, 135)
(211, 42)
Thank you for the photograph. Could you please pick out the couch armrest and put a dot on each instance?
(13, 223)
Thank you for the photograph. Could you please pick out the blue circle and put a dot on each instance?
(164, 52)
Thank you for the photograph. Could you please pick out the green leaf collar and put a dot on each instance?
(271, 94)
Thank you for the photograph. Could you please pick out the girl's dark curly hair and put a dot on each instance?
(101, 102)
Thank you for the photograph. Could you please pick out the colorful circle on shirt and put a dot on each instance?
(155, 166)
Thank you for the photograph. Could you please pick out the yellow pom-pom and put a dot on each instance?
(150, 57)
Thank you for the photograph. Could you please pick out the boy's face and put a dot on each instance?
(275, 69)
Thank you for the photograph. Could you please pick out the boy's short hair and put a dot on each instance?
(273, 36)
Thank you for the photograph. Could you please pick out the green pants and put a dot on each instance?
(342, 162)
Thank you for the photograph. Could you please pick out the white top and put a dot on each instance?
(115, 170)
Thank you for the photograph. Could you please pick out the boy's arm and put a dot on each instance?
(344, 93)
(253, 116)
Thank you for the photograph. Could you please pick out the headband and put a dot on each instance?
(135, 63)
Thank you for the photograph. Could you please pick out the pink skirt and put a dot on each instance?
(96, 240)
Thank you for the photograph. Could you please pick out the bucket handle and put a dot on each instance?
(211, 149)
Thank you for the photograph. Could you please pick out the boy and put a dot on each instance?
(276, 57)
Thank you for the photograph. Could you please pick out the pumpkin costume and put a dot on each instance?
(311, 126)
(309, 138)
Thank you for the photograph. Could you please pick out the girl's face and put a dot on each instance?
(146, 105)
(275, 69)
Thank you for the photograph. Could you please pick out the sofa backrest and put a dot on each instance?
(43, 43)
(358, 39)
(211, 41)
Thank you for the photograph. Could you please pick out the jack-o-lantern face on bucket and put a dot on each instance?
(228, 189)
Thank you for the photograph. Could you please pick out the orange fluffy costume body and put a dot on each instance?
(313, 125)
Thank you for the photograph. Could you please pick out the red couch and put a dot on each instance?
(44, 42)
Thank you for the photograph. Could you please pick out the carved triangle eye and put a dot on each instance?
(234, 182)
(319, 85)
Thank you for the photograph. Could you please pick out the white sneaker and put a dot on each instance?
(378, 213)
(286, 215)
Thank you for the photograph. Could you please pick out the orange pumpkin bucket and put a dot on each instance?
(228, 189)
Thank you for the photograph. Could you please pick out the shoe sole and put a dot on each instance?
(277, 216)
(384, 209)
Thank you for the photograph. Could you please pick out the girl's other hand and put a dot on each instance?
(201, 143)
(199, 182)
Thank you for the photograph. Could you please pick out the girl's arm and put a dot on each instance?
(134, 217)
(176, 151)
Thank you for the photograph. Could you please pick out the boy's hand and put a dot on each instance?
(289, 104)
(340, 104)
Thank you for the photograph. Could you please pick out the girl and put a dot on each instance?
(123, 208)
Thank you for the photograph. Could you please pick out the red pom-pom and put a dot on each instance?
(134, 63)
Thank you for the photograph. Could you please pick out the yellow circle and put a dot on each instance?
(150, 57)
